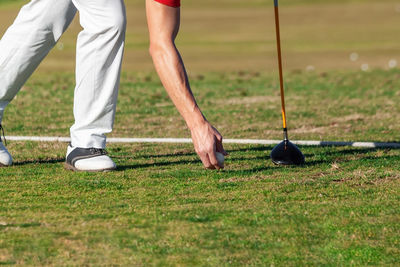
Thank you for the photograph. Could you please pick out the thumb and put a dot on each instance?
(220, 147)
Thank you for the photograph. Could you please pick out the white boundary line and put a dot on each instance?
(226, 141)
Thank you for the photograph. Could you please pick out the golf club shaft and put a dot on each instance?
(278, 41)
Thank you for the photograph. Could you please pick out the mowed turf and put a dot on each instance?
(240, 35)
(162, 208)
(334, 106)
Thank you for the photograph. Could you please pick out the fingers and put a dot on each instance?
(213, 160)
(206, 161)
(219, 146)
(207, 141)
(210, 160)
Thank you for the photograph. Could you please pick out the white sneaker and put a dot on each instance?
(88, 159)
(5, 156)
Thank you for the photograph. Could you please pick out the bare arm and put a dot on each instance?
(163, 23)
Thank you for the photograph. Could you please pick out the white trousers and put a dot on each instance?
(34, 33)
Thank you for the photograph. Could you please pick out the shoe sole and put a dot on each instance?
(4, 166)
(72, 168)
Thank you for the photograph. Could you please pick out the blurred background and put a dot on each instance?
(236, 35)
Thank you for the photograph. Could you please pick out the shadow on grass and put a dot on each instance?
(354, 151)
(21, 225)
(186, 162)
(42, 161)
(8, 262)
(155, 164)
(141, 156)
(330, 156)
(341, 156)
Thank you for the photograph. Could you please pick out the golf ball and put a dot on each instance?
(354, 56)
(310, 68)
(220, 158)
(392, 63)
(365, 67)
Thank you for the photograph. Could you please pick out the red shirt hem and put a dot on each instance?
(172, 3)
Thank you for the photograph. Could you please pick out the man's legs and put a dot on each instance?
(34, 32)
(98, 65)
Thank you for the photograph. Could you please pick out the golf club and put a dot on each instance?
(285, 153)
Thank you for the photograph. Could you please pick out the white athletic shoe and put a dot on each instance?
(5, 156)
(88, 159)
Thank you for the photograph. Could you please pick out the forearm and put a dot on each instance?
(172, 73)
(163, 22)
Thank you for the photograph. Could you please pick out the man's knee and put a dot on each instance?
(111, 23)
(117, 23)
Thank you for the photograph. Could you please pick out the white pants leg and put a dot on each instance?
(28, 40)
(99, 56)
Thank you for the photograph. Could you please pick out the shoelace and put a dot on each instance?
(4, 137)
(98, 151)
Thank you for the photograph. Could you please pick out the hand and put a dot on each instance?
(207, 140)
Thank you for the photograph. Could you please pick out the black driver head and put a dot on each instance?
(287, 153)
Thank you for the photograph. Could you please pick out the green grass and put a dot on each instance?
(338, 106)
(162, 208)
(4, 2)
(235, 35)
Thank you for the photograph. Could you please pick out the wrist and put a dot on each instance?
(196, 120)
